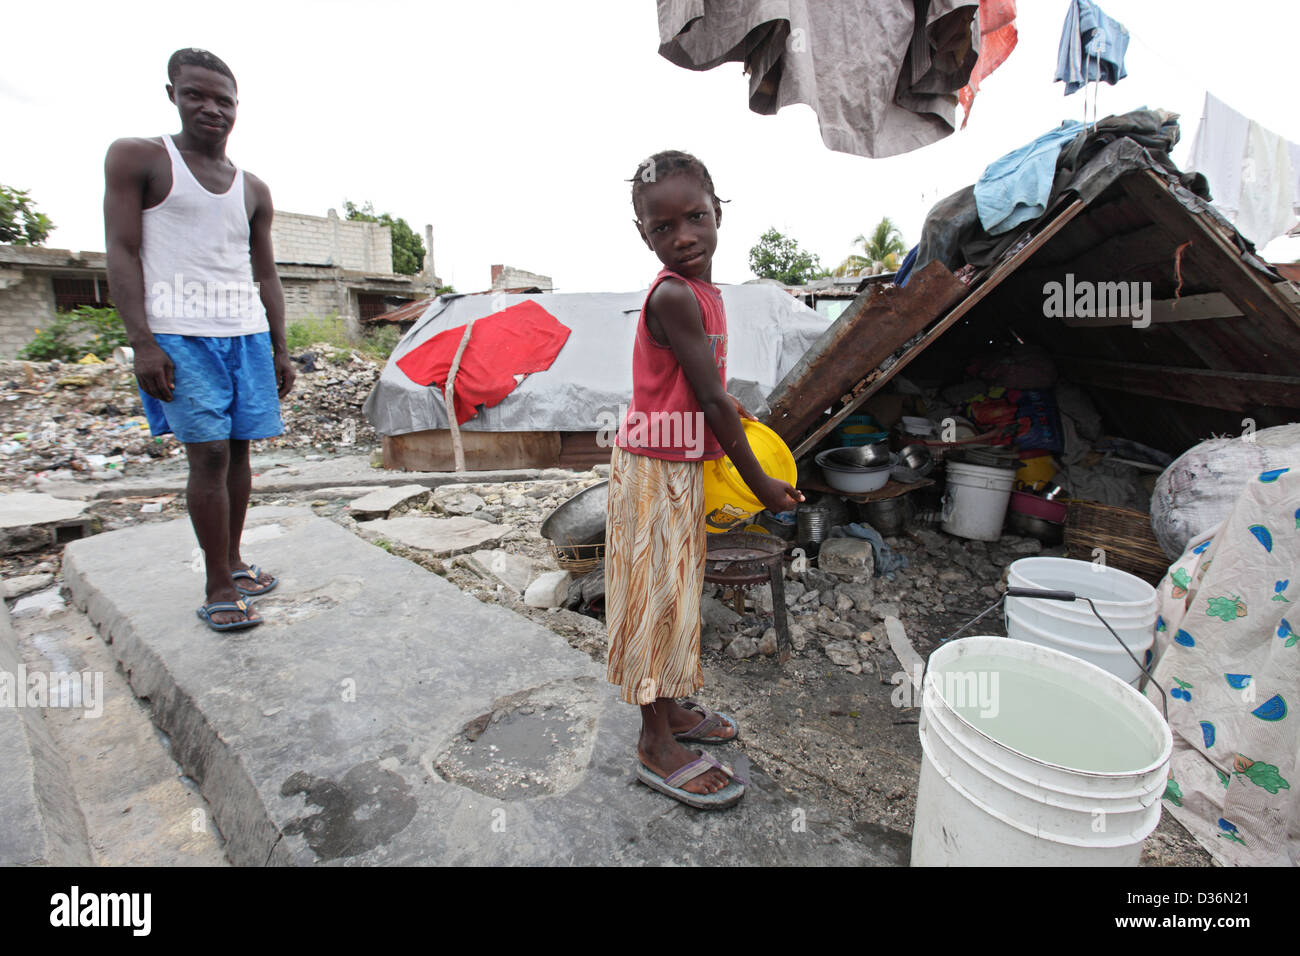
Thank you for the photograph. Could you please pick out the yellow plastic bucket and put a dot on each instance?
(728, 502)
(1035, 472)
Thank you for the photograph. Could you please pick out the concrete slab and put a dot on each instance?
(29, 521)
(441, 537)
(40, 821)
(21, 508)
(382, 716)
(379, 502)
(285, 477)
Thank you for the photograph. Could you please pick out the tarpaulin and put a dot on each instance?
(997, 39)
(517, 341)
(882, 77)
(591, 378)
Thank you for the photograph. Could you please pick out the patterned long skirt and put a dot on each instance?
(654, 574)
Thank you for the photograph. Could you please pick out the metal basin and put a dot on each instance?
(855, 458)
(581, 519)
(918, 458)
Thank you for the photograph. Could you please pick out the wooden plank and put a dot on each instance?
(431, 450)
(1234, 391)
(878, 322)
(1188, 308)
(874, 381)
(1213, 256)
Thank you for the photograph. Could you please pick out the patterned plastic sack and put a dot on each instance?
(1228, 640)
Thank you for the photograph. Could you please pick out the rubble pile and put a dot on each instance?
(86, 421)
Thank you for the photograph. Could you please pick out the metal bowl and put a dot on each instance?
(855, 457)
(918, 458)
(581, 519)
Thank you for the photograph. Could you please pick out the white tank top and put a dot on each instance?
(198, 270)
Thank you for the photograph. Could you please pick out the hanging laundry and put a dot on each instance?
(1015, 188)
(1254, 174)
(1092, 47)
(997, 39)
(502, 349)
(882, 77)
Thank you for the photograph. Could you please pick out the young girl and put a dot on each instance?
(654, 563)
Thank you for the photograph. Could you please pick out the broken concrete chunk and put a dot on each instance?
(443, 537)
(457, 500)
(847, 558)
(767, 643)
(26, 583)
(22, 508)
(548, 590)
(842, 653)
(379, 502)
(742, 647)
(513, 570)
(717, 614)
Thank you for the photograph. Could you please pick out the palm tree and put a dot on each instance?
(883, 252)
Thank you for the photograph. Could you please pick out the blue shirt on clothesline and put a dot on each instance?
(1092, 47)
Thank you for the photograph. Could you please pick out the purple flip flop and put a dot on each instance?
(726, 797)
(709, 722)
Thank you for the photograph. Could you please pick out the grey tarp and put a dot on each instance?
(768, 332)
(882, 77)
(1115, 146)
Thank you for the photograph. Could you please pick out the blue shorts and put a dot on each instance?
(225, 388)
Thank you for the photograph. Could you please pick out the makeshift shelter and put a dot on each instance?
(1219, 344)
(565, 416)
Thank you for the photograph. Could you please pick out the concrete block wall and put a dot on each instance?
(329, 240)
(26, 304)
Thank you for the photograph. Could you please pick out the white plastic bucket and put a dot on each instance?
(975, 502)
(1034, 758)
(1095, 645)
(1127, 603)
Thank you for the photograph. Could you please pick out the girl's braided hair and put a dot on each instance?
(661, 165)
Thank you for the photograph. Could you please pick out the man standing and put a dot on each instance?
(192, 273)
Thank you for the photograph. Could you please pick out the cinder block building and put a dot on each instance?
(326, 264)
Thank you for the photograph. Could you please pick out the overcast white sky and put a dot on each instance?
(511, 126)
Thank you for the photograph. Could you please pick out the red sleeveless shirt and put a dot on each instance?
(664, 419)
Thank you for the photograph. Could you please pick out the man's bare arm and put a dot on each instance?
(126, 176)
(268, 281)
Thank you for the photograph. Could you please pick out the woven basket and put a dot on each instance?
(1123, 534)
(578, 558)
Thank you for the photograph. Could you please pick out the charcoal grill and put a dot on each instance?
(741, 560)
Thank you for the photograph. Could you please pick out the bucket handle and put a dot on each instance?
(1046, 595)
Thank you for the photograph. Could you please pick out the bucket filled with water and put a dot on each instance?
(1032, 757)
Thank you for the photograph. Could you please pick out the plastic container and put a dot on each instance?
(728, 502)
(1033, 758)
(1128, 604)
(975, 503)
(1035, 471)
(1096, 645)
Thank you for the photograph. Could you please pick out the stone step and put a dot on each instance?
(382, 716)
(41, 823)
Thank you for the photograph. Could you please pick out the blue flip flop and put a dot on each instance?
(205, 614)
(702, 733)
(252, 572)
(728, 796)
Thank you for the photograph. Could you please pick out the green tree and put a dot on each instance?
(408, 247)
(779, 257)
(883, 252)
(20, 223)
